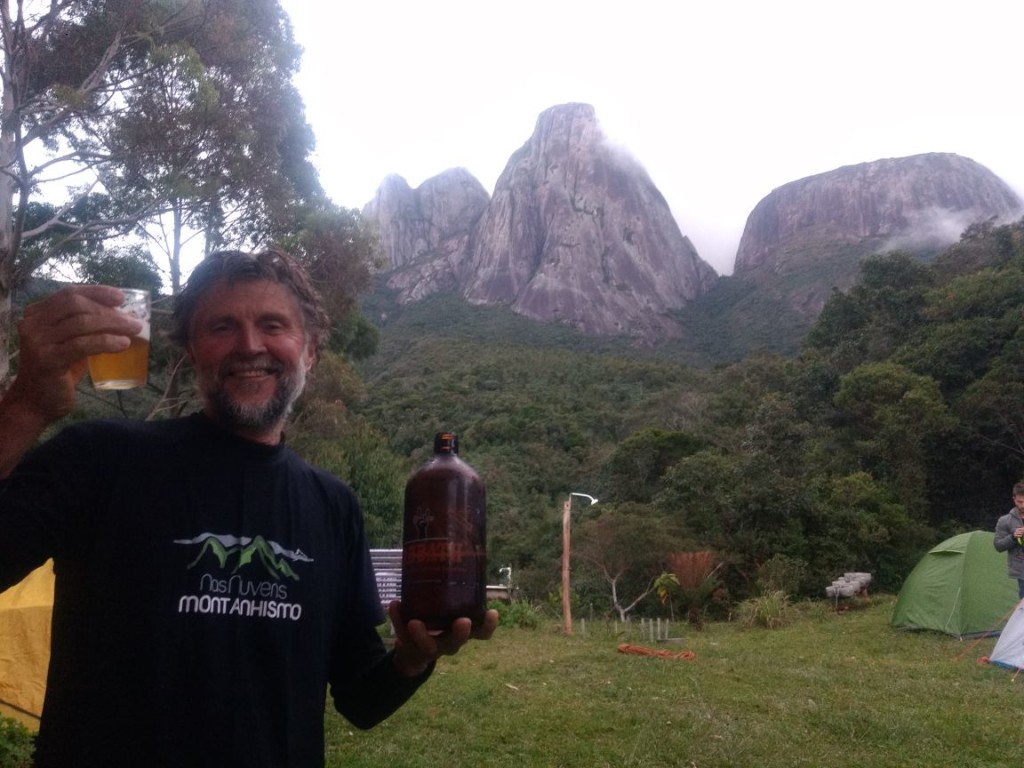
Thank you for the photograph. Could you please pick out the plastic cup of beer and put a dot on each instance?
(130, 368)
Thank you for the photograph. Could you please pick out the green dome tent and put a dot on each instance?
(959, 587)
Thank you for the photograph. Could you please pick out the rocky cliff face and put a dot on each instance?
(575, 233)
(425, 232)
(814, 231)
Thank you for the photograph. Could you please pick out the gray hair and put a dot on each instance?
(239, 266)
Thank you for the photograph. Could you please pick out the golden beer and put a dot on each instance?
(121, 370)
(130, 368)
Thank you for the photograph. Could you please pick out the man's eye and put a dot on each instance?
(219, 329)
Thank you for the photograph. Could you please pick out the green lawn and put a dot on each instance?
(830, 689)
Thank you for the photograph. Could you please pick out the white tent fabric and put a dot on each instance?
(1009, 650)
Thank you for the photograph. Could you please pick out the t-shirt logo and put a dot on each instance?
(238, 552)
(242, 576)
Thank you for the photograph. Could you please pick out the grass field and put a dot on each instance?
(829, 689)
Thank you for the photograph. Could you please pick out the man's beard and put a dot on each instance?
(258, 417)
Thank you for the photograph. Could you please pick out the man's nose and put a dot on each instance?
(250, 339)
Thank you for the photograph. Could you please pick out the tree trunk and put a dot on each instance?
(5, 337)
(9, 161)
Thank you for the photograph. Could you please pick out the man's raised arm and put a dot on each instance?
(56, 335)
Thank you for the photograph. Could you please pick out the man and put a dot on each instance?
(210, 585)
(1009, 538)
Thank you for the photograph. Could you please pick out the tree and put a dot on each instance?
(877, 315)
(214, 131)
(633, 471)
(340, 249)
(891, 416)
(130, 266)
(862, 527)
(326, 433)
(995, 405)
(627, 545)
(695, 581)
(142, 112)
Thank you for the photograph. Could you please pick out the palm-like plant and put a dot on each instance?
(696, 579)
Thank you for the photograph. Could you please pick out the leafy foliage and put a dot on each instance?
(770, 610)
(160, 125)
(517, 614)
(328, 435)
(640, 460)
(897, 424)
(17, 744)
(696, 582)
(625, 546)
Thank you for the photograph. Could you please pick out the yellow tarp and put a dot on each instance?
(25, 611)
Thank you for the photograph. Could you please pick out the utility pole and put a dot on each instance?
(566, 545)
(566, 596)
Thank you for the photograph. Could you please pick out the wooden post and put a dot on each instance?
(566, 596)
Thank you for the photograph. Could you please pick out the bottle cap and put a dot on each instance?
(446, 442)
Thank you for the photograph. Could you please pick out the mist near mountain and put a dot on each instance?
(576, 234)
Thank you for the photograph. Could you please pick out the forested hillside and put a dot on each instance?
(899, 422)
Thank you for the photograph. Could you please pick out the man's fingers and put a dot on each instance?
(447, 642)
(488, 626)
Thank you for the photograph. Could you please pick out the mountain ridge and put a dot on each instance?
(577, 234)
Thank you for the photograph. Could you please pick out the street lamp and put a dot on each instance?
(566, 525)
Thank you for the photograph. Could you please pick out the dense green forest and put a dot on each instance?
(899, 422)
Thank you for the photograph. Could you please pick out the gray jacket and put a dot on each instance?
(1004, 542)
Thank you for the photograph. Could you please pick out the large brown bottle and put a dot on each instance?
(444, 559)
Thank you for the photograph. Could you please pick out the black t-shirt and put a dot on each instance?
(207, 591)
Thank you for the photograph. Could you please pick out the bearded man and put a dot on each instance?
(211, 586)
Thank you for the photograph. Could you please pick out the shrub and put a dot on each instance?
(696, 582)
(782, 573)
(770, 610)
(17, 743)
(517, 614)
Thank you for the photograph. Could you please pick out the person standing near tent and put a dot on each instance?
(211, 586)
(1009, 538)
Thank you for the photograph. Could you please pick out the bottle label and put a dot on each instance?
(438, 553)
(442, 556)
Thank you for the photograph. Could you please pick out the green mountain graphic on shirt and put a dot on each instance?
(235, 553)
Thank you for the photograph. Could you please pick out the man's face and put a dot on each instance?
(1018, 502)
(251, 356)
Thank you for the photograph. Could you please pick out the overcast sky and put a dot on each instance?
(721, 103)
